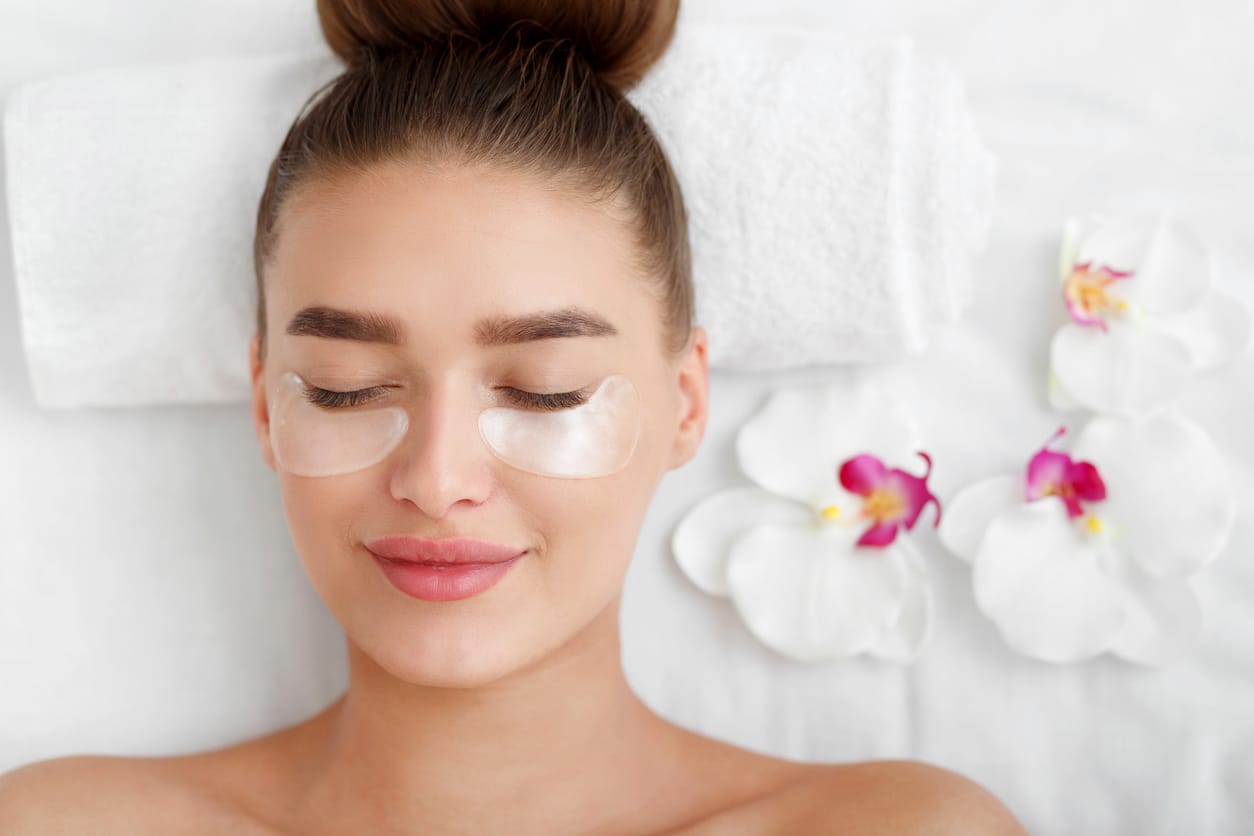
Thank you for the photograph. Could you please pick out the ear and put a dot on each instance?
(261, 410)
(694, 390)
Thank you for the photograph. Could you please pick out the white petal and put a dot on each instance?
(1067, 250)
(702, 540)
(1172, 266)
(1168, 491)
(1075, 231)
(902, 641)
(1128, 370)
(795, 444)
(968, 514)
(1214, 331)
(810, 594)
(1059, 398)
(1164, 615)
(1045, 586)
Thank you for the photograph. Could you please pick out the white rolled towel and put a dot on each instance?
(837, 192)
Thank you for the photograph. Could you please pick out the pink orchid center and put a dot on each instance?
(1086, 292)
(1051, 473)
(884, 504)
(893, 497)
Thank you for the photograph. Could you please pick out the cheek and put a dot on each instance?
(590, 526)
(320, 513)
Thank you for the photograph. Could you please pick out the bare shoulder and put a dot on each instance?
(105, 795)
(909, 798)
(78, 794)
(902, 796)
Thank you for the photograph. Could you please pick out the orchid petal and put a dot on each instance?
(811, 594)
(1045, 587)
(880, 534)
(915, 491)
(1170, 261)
(794, 444)
(1086, 481)
(1126, 370)
(1164, 615)
(1047, 471)
(1214, 331)
(1074, 231)
(968, 514)
(702, 539)
(862, 474)
(1059, 398)
(1168, 489)
(1067, 251)
(902, 641)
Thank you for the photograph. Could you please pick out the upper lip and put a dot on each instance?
(446, 550)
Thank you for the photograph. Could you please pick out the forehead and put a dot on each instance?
(443, 248)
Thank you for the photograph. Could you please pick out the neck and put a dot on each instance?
(556, 747)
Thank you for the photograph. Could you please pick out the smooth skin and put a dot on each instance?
(507, 712)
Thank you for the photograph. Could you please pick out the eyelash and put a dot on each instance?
(556, 401)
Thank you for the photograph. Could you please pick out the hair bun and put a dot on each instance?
(620, 39)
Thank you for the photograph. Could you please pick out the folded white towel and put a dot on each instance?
(838, 191)
(837, 195)
(132, 195)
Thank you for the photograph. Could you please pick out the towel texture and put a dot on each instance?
(132, 195)
(838, 195)
(838, 191)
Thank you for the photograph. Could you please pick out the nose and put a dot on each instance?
(442, 460)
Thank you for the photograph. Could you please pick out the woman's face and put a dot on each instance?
(441, 253)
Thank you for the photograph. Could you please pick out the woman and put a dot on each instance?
(475, 343)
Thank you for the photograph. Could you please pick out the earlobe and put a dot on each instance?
(260, 410)
(694, 384)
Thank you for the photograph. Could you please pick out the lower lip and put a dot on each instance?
(432, 582)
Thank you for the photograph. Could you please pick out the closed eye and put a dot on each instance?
(544, 402)
(547, 402)
(329, 399)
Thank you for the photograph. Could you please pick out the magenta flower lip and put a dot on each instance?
(1050, 473)
(894, 498)
(1084, 293)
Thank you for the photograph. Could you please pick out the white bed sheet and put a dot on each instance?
(151, 602)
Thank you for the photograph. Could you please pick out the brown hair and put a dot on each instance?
(531, 85)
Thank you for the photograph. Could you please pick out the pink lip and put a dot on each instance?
(442, 570)
(447, 550)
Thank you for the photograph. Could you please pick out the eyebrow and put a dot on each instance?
(369, 327)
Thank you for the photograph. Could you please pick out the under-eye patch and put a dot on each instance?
(595, 438)
(313, 440)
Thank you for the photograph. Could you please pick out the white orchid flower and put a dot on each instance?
(1093, 551)
(811, 555)
(1143, 315)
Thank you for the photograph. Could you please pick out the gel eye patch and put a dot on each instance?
(310, 440)
(593, 439)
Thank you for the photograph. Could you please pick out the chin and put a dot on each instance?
(453, 665)
(447, 645)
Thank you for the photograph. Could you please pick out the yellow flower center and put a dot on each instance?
(1063, 490)
(884, 504)
(1094, 524)
(829, 512)
(1092, 297)
(1089, 292)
